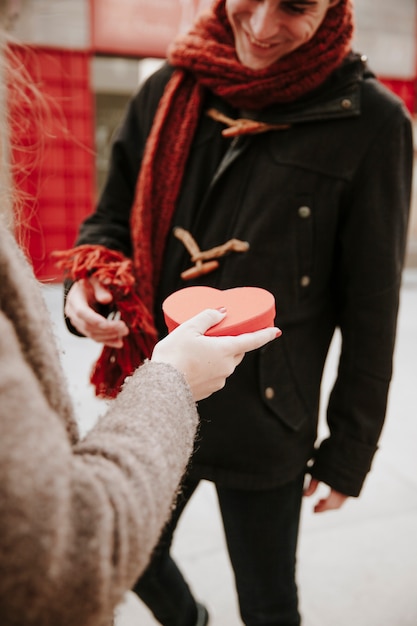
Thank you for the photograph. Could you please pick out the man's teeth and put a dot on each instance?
(260, 43)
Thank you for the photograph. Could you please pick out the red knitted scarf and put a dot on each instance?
(206, 59)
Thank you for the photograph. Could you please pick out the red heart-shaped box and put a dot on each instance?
(248, 308)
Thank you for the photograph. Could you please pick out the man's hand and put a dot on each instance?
(333, 501)
(80, 308)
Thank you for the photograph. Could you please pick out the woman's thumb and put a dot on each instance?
(206, 319)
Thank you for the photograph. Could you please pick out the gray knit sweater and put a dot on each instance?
(78, 518)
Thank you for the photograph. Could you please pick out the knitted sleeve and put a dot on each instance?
(77, 525)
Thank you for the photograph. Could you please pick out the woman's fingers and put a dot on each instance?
(252, 341)
(206, 362)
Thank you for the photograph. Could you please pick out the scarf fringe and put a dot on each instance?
(114, 272)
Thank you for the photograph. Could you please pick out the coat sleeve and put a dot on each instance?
(370, 257)
(109, 225)
(78, 524)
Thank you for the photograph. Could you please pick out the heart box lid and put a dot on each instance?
(248, 308)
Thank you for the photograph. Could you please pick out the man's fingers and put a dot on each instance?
(327, 504)
(79, 309)
(311, 487)
(101, 294)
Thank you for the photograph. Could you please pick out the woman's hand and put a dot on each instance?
(206, 362)
(80, 308)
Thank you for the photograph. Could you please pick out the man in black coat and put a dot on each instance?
(320, 191)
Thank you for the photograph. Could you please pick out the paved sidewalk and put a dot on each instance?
(357, 566)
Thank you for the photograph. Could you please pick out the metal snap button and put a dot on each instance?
(346, 103)
(269, 393)
(305, 281)
(304, 211)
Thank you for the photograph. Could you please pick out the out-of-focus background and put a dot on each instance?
(86, 58)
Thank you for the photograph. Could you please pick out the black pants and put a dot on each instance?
(261, 529)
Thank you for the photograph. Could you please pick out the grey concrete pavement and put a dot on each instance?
(357, 566)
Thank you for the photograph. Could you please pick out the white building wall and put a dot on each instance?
(386, 33)
(56, 23)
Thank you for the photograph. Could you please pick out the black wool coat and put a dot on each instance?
(324, 206)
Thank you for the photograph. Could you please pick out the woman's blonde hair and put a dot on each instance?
(18, 92)
(6, 201)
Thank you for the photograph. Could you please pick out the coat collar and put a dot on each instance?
(339, 97)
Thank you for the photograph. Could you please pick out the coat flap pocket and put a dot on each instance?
(278, 386)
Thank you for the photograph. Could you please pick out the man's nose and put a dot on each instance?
(264, 21)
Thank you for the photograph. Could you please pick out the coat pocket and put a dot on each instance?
(278, 387)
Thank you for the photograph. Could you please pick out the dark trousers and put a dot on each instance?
(261, 529)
